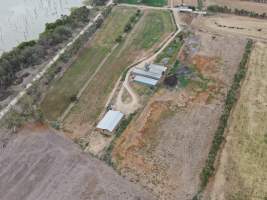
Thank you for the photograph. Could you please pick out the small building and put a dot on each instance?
(185, 9)
(158, 69)
(145, 80)
(148, 74)
(110, 121)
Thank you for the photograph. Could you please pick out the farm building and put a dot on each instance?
(145, 80)
(110, 121)
(158, 69)
(148, 74)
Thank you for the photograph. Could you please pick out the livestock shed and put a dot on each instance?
(145, 80)
(148, 74)
(110, 121)
(158, 69)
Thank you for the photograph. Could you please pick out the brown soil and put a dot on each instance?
(39, 164)
(165, 148)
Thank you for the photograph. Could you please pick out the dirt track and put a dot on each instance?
(39, 164)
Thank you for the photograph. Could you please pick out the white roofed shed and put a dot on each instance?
(158, 69)
(145, 80)
(110, 121)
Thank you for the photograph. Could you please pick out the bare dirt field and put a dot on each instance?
(240, 4)
(242, 172)
(165, 147)
(231, 24)
(39, 164)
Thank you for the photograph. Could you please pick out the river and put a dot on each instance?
(23, 20)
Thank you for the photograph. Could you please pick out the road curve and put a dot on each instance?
(131, 107)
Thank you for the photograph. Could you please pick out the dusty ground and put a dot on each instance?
(165, 148)
(231, 24)
(242, 173)
(240, 4)
(39, 164)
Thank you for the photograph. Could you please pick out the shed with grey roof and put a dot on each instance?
(145, 80)
(158, 69)
(110, 121)
(148, 74)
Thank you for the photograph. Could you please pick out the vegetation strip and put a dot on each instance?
(242, 12)
(231, 99)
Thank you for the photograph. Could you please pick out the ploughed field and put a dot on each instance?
(40, 164)
(242, 171)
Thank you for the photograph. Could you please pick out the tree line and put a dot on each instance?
(231, 98)
(28, 54)
(241, 12)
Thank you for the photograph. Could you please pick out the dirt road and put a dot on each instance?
(133, 105)
(15, 100)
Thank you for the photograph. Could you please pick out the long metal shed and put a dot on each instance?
(110, 121)
(158, 69)
(141, 72)
(145, 80)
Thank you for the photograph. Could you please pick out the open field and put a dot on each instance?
(155, 24)
(231, 24)
(41, 164)
(59, 96)
(145, 2)
(240, 4)
(242, 172)
(165, 147)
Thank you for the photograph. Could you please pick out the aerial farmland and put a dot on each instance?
(149, 99)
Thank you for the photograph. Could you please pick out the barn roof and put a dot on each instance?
(110, 120)
(145, 80)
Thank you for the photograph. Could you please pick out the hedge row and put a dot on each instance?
(231, 99)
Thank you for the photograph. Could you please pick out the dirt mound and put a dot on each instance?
(42, 165)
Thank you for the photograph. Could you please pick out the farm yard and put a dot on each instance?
(133, 47)
(242, 168)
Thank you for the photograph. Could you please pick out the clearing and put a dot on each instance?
(165, 146)
(243, 164)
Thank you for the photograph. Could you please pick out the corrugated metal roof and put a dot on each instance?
(158, 69)
(110, 120)
(145, 80)
(148, 74)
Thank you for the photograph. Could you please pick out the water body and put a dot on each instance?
(23, 20)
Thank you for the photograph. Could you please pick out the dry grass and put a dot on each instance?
(243, 170)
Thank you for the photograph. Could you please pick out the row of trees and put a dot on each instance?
(32, 53)
(231, 99)
(242, 12)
